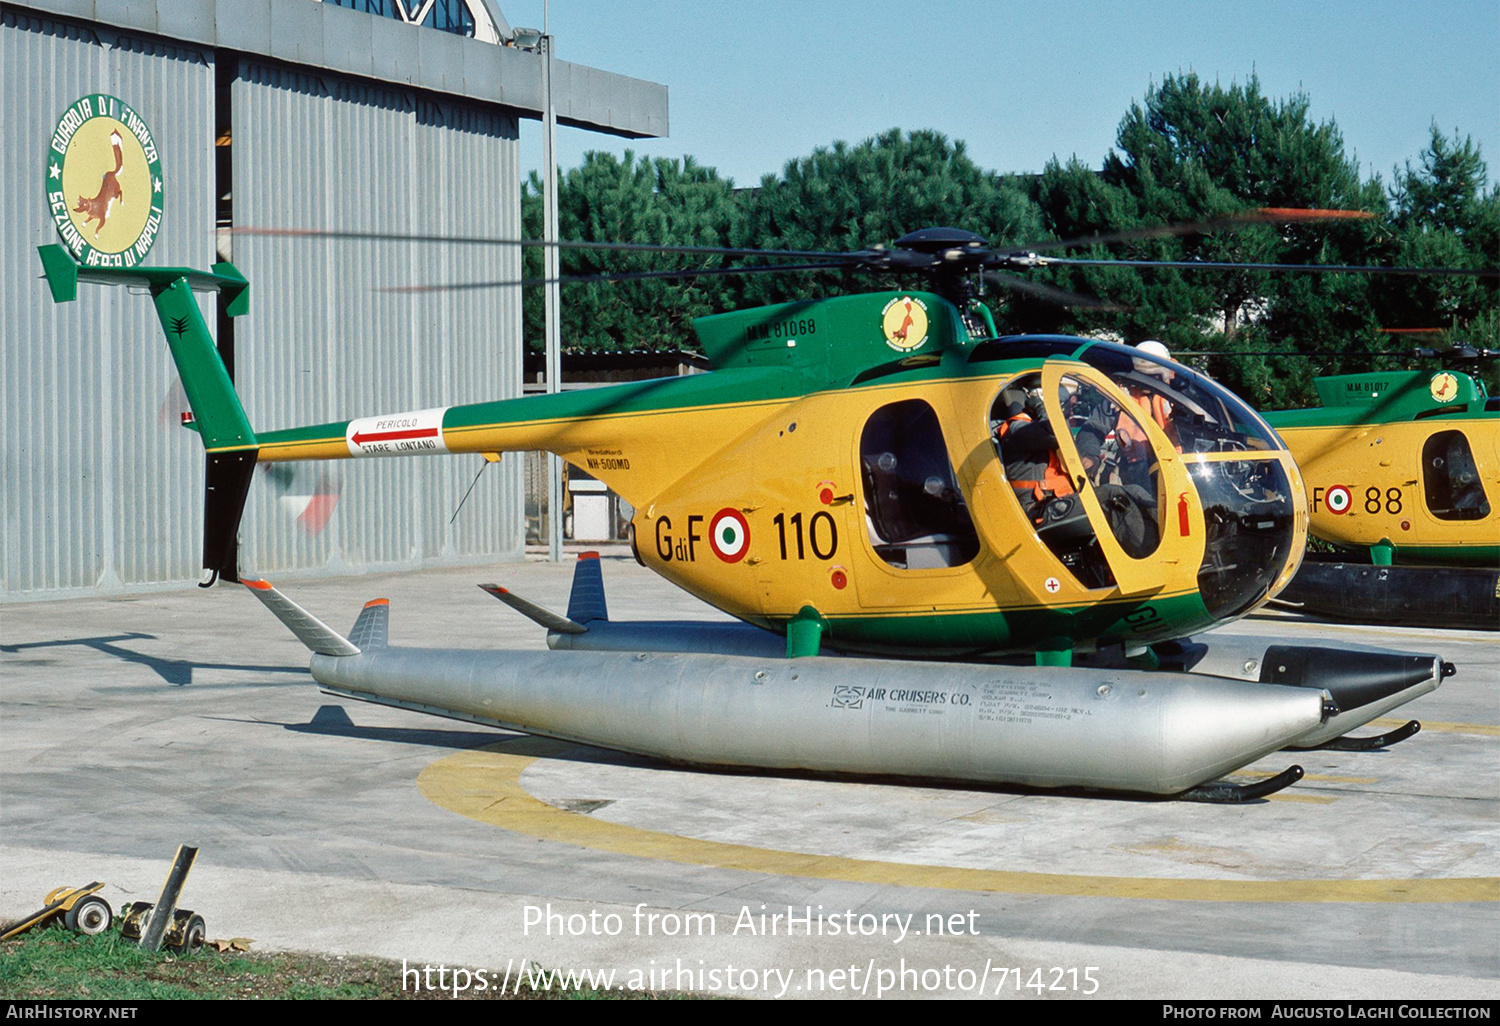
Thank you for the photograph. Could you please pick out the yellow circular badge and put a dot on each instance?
(904, 321)
(104, 182)
(1444, 387)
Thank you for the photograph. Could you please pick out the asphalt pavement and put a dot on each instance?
(131, 725)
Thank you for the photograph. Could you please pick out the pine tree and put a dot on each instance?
(661, 202)
(1194, 152)
(843, 198)
(1445, 214)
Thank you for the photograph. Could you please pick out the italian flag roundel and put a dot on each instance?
(1337, 499)
(729, 535)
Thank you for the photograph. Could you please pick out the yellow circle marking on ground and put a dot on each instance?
(484, 784)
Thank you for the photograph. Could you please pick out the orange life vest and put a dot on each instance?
(1054, 479)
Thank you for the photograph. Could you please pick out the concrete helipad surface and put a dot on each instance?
(129, 726)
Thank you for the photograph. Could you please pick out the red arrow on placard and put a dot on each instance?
(360, 438)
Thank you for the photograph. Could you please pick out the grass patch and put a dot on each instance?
(54, 963)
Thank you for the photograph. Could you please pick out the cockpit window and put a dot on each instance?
(917, 516)
(1249, 515)
(1211, 418)
(1028, 453)
(1205, 417)
(1119, 460)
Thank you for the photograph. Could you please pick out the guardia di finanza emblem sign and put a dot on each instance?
(104, 182)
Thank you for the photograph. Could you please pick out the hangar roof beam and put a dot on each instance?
(320, 36)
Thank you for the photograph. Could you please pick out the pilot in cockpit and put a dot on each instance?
(1028, 451)
(1151, 402)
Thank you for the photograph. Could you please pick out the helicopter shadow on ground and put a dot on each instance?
(1278, 611)
(175, 672)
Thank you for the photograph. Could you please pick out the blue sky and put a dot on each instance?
(756, 83)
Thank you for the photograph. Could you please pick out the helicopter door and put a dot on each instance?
(918, 538)
(916, 515)
(1114, 460)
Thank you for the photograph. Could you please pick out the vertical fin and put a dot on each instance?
(220, 420)
(372, 629)
(217, 411)
(586, 603)
(217, 414)
(226, 485)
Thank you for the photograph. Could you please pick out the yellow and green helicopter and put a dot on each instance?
(847, 456)
(883, 476)
(1402, 470)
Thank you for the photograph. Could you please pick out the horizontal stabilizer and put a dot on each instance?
(372, 629)
(63, 274)
(311, 631)
(546, 617)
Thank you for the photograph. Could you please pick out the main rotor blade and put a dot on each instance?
(1464, 355)
(470, 240)
(574, 279)
(1050, 293)
(1260, 215)
(1246, 354)
(1212, 265)
(882, 260)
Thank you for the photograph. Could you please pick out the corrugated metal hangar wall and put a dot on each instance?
(308, 150)
(103, 489)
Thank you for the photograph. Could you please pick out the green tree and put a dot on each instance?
(1194, 152)
(844, 197)
(1444, 214)
(608, 199)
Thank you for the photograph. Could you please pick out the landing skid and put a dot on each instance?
(1368, 744)
(1236, 794)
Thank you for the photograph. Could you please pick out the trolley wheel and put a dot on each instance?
(89, 916)
(194, 932)
(132, 918)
